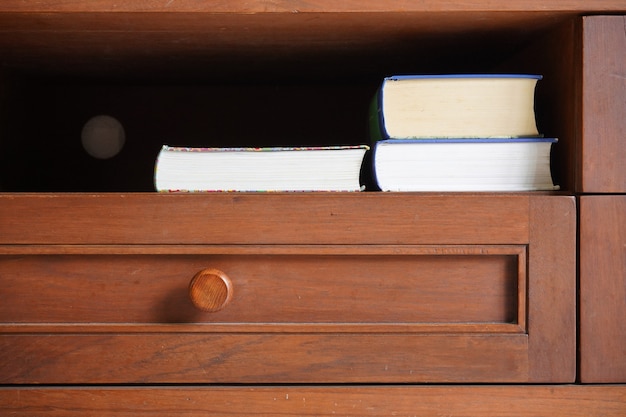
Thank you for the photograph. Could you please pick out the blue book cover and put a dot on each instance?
(467, 140)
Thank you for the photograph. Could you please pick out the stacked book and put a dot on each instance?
(459, 133)
(428, 133)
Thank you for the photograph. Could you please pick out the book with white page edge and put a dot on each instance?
(464, 164)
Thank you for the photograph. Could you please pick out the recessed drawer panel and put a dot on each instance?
(428, 285)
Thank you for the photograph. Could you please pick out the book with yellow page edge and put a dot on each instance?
(329, 168)
(454, 106)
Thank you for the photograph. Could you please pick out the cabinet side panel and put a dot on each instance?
(603, 288)
(603, 159)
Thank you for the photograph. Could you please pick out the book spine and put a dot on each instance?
(376, 122)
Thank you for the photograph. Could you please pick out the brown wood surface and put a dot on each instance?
(603, 288)
(210, 290)
(261, 358)
(423, 401)
(263, 219)
(602, 163)
(241, 6)
(279, 289)
(552, 289)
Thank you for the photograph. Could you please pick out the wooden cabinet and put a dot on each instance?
(364, 303)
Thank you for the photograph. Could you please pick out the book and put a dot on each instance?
(331, 168)
(464, 164)
(454, 106)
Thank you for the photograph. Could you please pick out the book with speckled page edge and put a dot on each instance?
(272, 169)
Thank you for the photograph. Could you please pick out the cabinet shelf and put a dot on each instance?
(235, 79)
(250, 74)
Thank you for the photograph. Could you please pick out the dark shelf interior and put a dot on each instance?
(237, 80)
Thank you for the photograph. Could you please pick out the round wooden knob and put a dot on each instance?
(210, 290)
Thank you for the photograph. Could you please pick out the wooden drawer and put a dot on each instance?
(364, 312)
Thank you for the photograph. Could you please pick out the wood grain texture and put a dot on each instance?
(240, 6)
(258, 358)
(210, 290)
(279, 289)
(602, 155)
(263, 219)
(603, 288)
(422, 401)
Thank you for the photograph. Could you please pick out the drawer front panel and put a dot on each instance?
(422, 285)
